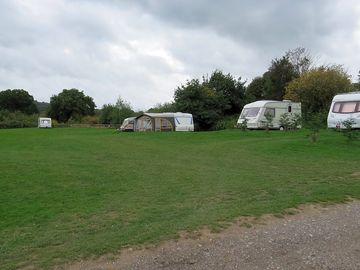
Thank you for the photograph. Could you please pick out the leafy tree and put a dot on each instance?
(165, 107)
(255, 90)
(71, 103)
(301, 60)
(230, 92)
(115, 114)
(42, 106)
(280, 73)
(200, 100)
(17, 100)
(316, 88)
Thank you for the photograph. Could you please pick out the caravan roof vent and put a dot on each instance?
(286, 100)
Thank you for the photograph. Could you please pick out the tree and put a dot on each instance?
(255, 90)
(280, 73)
(165, 107)
(231, 92)
(316, 88)
(200, 100)
(115, 114)
(301, 60)
(71, 103)
(17, 100)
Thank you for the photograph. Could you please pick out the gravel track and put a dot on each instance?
(315, 238)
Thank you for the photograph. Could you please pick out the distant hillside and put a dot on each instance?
(42, 106)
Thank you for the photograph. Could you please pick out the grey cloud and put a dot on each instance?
(259, 23)
(89, 44)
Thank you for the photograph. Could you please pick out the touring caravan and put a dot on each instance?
(165, 122)
(128, 124)
(255, 113)
(344, 107)
(44, 122)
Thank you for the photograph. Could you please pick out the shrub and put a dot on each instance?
(243, 125)
(17, 119)
(227, 122)
(268, 122)
(350, 133)
(314, 124)
(290, 121)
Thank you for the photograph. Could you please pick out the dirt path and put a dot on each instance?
(316, 238)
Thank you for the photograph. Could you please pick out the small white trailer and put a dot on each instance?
(344, 107)
(44, 122)
(255, 113)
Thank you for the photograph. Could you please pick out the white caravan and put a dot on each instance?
(128, 124)
(255, 113)
(344, 107)
(184, 121)
(44, 122)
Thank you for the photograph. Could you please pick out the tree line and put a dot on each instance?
(293, 76)
(211, 99)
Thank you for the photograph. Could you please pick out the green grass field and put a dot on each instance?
(72, 193)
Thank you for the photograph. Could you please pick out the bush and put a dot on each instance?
(290, 121)
(243, 125)
(90, 119)
(268, 123)
(227, 122)
(17, 119)
(350, 133)
(314, 124)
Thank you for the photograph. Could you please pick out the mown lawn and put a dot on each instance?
(72, 193)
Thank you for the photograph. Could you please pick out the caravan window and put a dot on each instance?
(250, 112)
(270, 111)
(346, 107)
(183, 120)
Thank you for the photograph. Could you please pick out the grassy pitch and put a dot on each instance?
(72, 193)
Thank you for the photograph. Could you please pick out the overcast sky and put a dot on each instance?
(142, 50)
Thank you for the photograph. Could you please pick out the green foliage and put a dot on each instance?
(272, 84)
(267, 124)
(161, 108)
(202, 102)
(243, 125)
(115, 114)
(290, 121)
(301, 60)
(43, 107)
(68, 194)
(280, 73)
(314, 123)
(227, 122)
(17, 119)
(350, 133)
(17, 100)
(231, 91)
(316, 88)
(210, 100)
(70, 103)
(255, 90)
